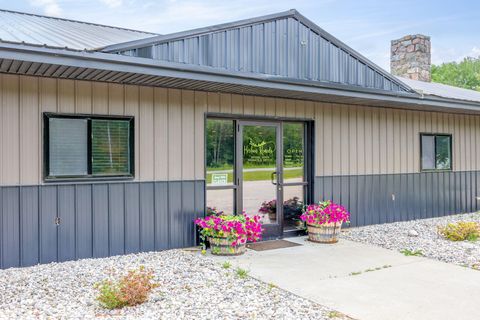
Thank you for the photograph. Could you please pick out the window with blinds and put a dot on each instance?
(110, 147)
(78, 147)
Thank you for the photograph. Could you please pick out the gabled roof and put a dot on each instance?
(442, 90)
(284, 45)
(19, 27)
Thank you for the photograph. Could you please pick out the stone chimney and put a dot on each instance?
(410, 57)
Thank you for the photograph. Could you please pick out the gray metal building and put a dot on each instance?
(113, 140)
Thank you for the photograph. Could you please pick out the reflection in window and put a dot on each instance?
(293, 206)
(220, 152)
(220, 201)
(293, 148)
(436, 152)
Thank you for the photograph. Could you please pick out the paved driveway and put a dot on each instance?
(368, 282)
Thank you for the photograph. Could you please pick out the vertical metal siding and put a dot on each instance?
(416, 195)
(283, 47)
(96, 220)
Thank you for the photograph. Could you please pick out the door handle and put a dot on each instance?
(272, 176)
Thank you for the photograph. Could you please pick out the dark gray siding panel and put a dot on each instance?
(162, 217)
(132, 218)
(29, 224)
(66, 229)
(100, 220)
(84, 221)
(47, 226)
(116, 217)
(375, 199)
(175, 214)
(11, 227)
(96, 220)
(147, 216)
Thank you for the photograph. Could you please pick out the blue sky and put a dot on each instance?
(365, 25)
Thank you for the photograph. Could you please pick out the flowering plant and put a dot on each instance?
(213, 211)
(237, 229)
(268, 206)
(325, 212)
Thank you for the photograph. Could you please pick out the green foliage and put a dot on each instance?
(242, 273)
(461, 231)
(226, 265)
(130, 290)
(465, 74)
(334, 314)
(408, 252)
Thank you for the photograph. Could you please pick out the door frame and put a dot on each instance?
(309, 159)
(272, 230)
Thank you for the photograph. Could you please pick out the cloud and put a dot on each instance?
(50, 7)
(112, 3)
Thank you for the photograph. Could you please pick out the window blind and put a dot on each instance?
(68, 147)
(110, 147)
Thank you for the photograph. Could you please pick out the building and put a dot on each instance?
(113, 140)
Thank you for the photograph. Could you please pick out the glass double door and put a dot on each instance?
(257, 168)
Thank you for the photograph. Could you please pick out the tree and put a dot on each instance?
(464, 74)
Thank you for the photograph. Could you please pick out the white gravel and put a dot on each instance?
(192, 286)
(421, 235)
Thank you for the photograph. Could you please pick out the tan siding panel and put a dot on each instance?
(248, 105)
(319, 140)
(66, 96)
(225, 103)
(116, 99)
(175, 134)
(188, 135)
(259, 103)
(100, 98)
(10, 130)
(29, 130)
(200, 109)
(160, 111)
(237, 102)
(83, 97)
(131, 109)
(352, 136)
(147, 146)
(327, 151)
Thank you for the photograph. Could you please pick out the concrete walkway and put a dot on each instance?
(343, 277)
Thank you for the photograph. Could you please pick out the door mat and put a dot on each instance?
(272, 245)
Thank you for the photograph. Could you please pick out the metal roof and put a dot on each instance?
(34, 29)
(442, 90)
(284, 44)
(98, 66)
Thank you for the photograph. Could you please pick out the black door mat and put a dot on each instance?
(272, 245)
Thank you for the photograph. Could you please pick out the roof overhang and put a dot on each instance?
(105, 67)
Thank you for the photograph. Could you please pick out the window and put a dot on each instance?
(88, 147)
(436, 151)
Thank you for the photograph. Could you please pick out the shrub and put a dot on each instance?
(130, 290)
(461, 231)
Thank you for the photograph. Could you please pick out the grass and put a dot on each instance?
(408, 252)
(263, 175)
(369, 270)
(226, 265)
(242, 273)
(334, 314)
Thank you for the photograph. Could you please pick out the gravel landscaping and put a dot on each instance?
(191, 286)
(422, 235)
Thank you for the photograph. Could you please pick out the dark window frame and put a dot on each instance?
(435, 135)
(46, 147)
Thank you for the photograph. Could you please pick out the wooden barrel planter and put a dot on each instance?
(324, 233)
(222, 246)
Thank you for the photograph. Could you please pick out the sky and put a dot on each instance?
(365, 25)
